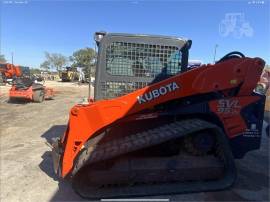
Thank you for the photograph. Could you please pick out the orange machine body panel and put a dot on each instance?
(24, 94)
(10, 70)
(28, 93)
(87, 120)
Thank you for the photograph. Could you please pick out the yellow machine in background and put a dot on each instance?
(69, 74)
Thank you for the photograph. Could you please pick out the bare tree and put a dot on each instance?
(45, 65)
(55, 60)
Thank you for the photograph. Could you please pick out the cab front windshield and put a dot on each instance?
(142, 60)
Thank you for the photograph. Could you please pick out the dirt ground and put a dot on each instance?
(26, 165)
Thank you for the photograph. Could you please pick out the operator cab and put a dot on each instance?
(127, 62)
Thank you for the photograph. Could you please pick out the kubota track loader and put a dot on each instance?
(157, 127)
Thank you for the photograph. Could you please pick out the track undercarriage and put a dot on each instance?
(160, 160)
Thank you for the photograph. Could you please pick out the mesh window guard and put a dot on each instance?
(142, 60)
(139, 60)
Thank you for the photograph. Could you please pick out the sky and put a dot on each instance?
(29, 28)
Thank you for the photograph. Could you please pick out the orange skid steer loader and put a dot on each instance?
(26, 89)
(157, 127)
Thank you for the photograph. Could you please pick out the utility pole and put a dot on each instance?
(89, 93)
(12, 57)
(215, 52)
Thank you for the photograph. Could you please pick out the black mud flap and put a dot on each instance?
(56, 155)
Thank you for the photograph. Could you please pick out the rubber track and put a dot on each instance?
(93, 152)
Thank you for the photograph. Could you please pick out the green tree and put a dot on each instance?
(55, 60)
(2, 59)
(84, 58)
(34, 71)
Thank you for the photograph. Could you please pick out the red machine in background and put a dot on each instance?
(9, 71)
(23, 85)
(26, 88)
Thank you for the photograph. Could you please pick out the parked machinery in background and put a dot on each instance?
(9, 71)
(69, 74)
(28, 89)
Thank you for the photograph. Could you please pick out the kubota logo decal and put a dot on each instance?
(163, 90)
